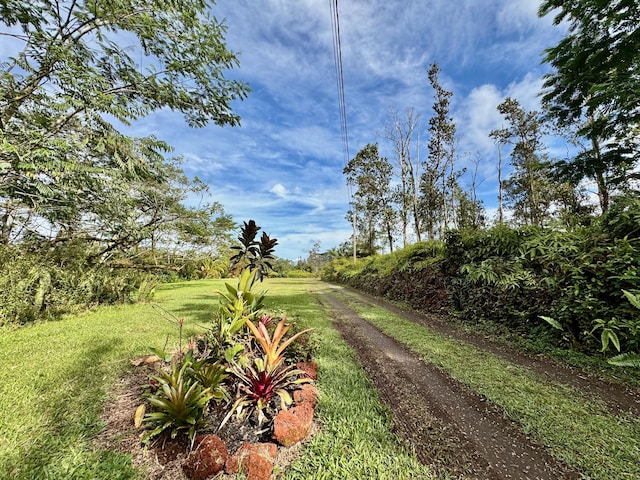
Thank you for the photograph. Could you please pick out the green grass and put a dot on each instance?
(355, 441)
(578, 430)
(56, 376)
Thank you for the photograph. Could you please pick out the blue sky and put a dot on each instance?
(283, 166)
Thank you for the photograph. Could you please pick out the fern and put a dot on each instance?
(626, 360)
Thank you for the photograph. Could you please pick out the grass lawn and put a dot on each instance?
(56, 376)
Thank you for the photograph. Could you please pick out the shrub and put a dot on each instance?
(41, 285)
(509, 277)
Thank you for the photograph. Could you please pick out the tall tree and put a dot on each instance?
(501, 137)
(528, 185)
(596, 86)
(438, 179)
(371, 175)
(400, 132)
(470, 213)
(79, 64)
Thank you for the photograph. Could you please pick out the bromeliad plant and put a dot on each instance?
(266, 375)
(183, 395)
(259, 383)
(272, 347)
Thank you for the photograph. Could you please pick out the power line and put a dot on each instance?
(337, 58)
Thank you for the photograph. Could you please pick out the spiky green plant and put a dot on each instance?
(180, 402)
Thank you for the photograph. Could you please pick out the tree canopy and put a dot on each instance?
(79, 70)
(595, 86)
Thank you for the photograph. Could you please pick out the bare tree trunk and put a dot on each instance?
(500, 192)
(401, 134)
(355, 237)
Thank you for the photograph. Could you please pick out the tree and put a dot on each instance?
(254, 254)
(401, 135)
(74, 74)
(501, 137)
(596, 86)
(470, 212)
(528, 185)
(437, 189)
(373, 198)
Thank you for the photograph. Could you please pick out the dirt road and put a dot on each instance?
(447, 424)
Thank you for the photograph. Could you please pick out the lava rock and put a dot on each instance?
(255, 460)
(208, 457)
(309, 368)
(292, 426)
(307, 393)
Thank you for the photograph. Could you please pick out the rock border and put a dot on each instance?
(211, 456)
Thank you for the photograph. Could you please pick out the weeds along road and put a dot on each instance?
(447, 425)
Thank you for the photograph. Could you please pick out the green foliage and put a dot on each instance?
(86, 204)
(298, 273)
(237, 305)
(210, 375)
(438, 181)
(40, 285)
(594, 87)
(259, 383)
(61, 159)
(626, 360)
(413, 275)
(631, 330)
(553, 322)
(183, 395)
(253, 254)
(511, 278)
(213, 268)
(371, 175)
(622, 220)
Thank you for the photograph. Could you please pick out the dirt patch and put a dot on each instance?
(446, 424)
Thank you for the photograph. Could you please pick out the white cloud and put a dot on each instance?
(279, 190)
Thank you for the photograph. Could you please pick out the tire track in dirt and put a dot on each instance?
(617, 397)
(446, 424)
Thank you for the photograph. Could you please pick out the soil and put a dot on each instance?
(447, 425)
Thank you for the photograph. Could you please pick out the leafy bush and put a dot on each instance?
(297, 273)
(183, 395)
(41, 285)
(510, 277)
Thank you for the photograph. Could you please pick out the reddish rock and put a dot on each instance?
(208, 457)
(307, 393)
(255, 460)
(291, 426)
(309, 368)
